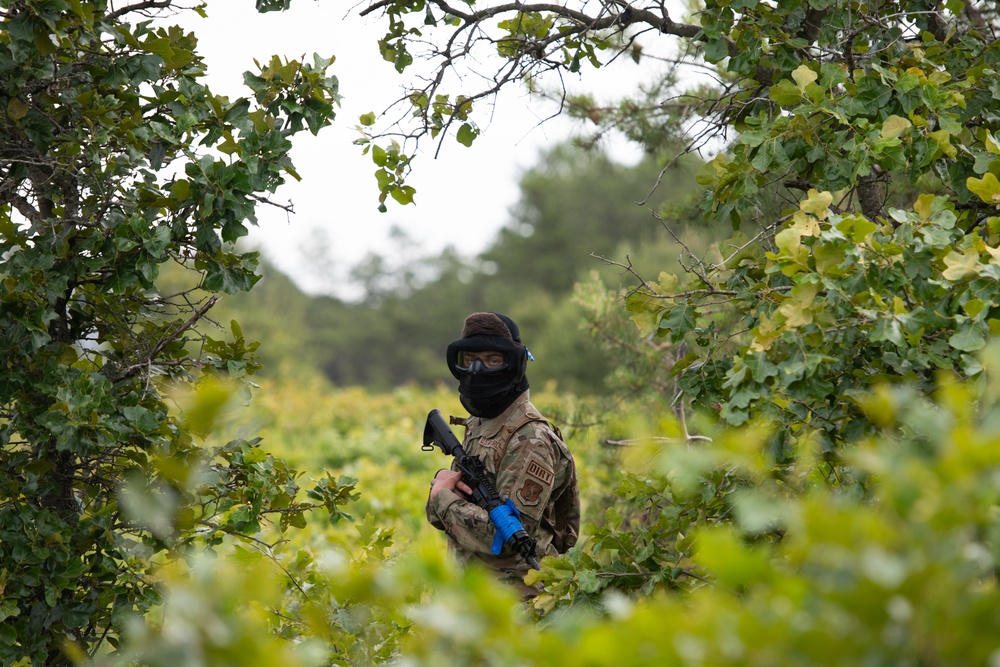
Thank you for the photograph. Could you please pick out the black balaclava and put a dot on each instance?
(488, 392)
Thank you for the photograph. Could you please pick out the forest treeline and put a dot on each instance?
(579, 214)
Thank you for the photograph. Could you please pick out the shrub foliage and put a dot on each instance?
(115, 160)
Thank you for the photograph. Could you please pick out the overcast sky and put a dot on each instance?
(463, 196)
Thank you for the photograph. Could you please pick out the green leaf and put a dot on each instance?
(888, 329)
(856, 228)
(745, 251)
(467, 134)
(829, 258)
(588, 581)
(246, 557)
(16, 109)
(785, 93)
(731, 562)
(230, 275)
(181, 189)
(973, 307)
(760, 366)
(8, 229)
(984, 162)
(678, 320)
(265, 6)
(716, 49)
(403, 194)
(968, 338)
(753, 138)
(684, 362)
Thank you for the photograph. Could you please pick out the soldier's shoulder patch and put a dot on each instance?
(540, 472)
(530, 493)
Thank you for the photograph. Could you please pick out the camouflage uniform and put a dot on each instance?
(535, 469)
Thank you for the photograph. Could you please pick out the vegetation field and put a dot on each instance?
(375, 438)
(346, 585)
(693, 551)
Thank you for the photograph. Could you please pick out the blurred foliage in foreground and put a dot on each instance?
(695, 551)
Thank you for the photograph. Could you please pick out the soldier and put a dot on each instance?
(532, 464)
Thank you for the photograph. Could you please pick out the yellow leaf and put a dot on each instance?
(806, 225)
(994, 255)
(924, 206)
(788, 240)
(647, 323)
(817, 203)
(714, 171)
(797, 315)
(797, 308)
(770, 325)
(768, 331)
(986, 188)
(666, 282)
(961, 266)
(533, 577)
(894, 126)
(992, 146)
(762, 342)
(943, 139)
(804, 76)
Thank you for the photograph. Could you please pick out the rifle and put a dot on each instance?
(502, 512)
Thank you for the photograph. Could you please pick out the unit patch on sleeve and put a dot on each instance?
(530, 493)
(538, 471)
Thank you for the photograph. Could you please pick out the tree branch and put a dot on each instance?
(162, 343)
(138, 7)
(628, 17)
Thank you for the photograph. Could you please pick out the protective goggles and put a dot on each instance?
(481, 362)
(487, 355)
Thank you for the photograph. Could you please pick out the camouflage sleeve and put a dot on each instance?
(431, 508)
(527, 474)
(465, 522)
